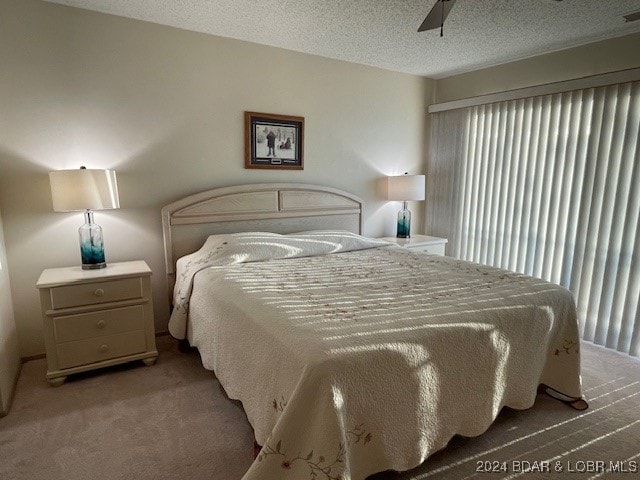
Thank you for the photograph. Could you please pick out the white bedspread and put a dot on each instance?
(353, 363)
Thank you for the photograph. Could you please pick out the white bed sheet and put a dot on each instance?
(353, 363)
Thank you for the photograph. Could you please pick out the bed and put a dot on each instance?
(352, 356)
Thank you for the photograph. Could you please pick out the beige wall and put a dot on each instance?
(601, 57)
(164, 107)
(9, 358)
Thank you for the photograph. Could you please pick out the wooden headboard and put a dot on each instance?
(265, 207)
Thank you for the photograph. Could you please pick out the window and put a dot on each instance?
(549, 186)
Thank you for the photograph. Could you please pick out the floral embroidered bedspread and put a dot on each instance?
(234, 248)
(362, 361)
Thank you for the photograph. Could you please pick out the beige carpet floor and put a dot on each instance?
(173, 421)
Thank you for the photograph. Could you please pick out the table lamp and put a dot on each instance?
(404, 188)
(86, 190)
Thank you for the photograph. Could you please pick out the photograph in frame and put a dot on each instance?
(274, 141)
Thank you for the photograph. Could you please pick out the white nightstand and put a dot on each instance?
(96, 318)
(420, 243)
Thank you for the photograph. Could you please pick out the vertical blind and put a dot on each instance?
(549, 186)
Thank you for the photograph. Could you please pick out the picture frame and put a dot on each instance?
(274, 141)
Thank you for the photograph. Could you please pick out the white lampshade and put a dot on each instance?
(84, 189)
(406, 187)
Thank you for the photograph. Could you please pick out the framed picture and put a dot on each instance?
(273, 141)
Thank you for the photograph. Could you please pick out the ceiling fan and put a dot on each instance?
(438, 14)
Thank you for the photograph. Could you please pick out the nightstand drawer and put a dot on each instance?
(95, 293)
(98, 324)
(82, 352)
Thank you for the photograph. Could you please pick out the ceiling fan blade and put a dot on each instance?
(437, 15)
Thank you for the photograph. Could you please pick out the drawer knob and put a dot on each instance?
(101, 324)
(99, 292)
(104, 348)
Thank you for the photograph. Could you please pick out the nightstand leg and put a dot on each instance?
(149, 361)
(56, 382)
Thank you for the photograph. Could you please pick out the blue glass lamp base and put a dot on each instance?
(94, 266)
(403, 231)
(92, 255)
(91, 244)
(404, 223)
(87, 265)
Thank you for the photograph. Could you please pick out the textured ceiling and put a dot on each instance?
(383, 33)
